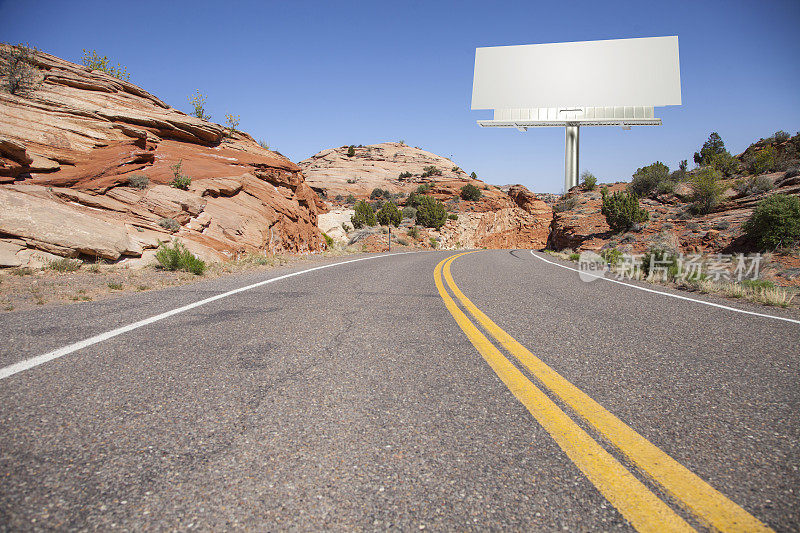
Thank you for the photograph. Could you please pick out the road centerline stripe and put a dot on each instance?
(678, 296)
(643, 509)
(700, 498)
(32, 362)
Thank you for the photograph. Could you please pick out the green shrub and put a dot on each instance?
(762, 161)
(364, 215)
(413, 232)
(666, 186)
(180, 180)
(18, 75)
(138, 181)
(95, 61)
(389, 214)
(713, 154)
(402, 242)
(713, 146)
(233, 123)
(263, 144)
(351, 180)
(430, 170)
(328, 240)
(612, 256)
(470, 193)
(350, 199)
(647, 179)
(169, 224)
(64, 265)
(725, 163)
(198, 102)
(377, 193)
(177, 257)
(754, 185)
(409, 212)
(565, 204)
(660, 258)
(351, 151)
(114, 286)
(434, 242)
(456, 169)
(346, 227)
(452, 216)
(404, 175)
(757, 283)
(706, 190)
(431, 213)
(622, 210)
(423, 188)
(473, 176)
(588, 180)
(574, 257)
(781, 136)
(775, 222)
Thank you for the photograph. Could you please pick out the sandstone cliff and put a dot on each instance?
(499, 219)
(69, 149)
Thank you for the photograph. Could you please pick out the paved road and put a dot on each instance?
(350, 397)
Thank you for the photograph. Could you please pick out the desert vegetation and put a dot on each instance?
(588, 181)
(775, 223)
(232, 122)
(364, 215)
(180, 180)
(176, 256)
(470, 193)
(622, 210)
(389, 214)
(431, 213)
(138, 181)
(95, 61)
(198, 102)
(20, 76)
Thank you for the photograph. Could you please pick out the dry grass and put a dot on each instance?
(773, 296)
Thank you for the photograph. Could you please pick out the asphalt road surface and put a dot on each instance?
(493, 391)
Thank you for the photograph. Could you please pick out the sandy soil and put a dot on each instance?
(25, 288)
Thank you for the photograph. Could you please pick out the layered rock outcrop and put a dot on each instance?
(69, 150)
(499, 219)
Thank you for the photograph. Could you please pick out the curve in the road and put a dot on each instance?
(632, 498)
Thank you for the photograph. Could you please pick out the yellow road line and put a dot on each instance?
(630, 496)
(700, 498)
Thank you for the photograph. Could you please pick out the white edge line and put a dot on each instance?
(666, 293)
(26, 364)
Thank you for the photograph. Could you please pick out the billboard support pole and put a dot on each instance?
(571, 149)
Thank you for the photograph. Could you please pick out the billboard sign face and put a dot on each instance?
(619, 72)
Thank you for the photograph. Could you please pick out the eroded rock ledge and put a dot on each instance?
(68, 150)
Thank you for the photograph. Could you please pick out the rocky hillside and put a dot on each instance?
(673, 225)
(86, 162)
(498, 219)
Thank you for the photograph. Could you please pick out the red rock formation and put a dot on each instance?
(68, 150)
(496, 220)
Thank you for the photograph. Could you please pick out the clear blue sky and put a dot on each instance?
(311, 75)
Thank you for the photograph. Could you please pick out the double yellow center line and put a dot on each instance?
(634, 500)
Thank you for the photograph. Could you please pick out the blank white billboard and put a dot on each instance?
(618, 72)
